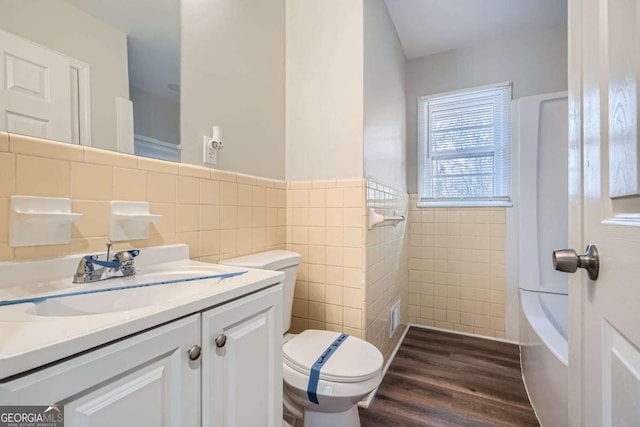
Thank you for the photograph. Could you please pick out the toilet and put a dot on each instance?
(352, 370)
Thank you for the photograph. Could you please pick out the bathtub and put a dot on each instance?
(544, 354)
(542, 226)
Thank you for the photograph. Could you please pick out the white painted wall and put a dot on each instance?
(535, 62)
(384, 99)
(155, 116)
(59, 26)
(324, 89)
(233, 75)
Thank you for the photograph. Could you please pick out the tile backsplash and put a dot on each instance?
(219, 214)
(457, 268)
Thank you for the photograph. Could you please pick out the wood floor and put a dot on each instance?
(440, 379)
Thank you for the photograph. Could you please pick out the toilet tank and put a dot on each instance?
(277, 260)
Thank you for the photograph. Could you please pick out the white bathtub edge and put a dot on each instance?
(543, 328)
(544, 370)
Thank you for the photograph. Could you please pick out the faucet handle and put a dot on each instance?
(85, 265)
(125, 258)
(128, 255)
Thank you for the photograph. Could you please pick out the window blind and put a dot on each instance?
(465, 143)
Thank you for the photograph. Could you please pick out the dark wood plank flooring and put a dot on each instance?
(440, 379)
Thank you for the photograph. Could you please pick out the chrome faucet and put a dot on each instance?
(119, 266)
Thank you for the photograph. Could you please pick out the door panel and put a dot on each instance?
(144, 381)
(35, 96)
(242, 380)
(27, 78)
(27, 125)
(138, 399)
(604, 337)
(621, 385)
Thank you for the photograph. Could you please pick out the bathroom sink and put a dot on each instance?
(129, 299)
(78, 317)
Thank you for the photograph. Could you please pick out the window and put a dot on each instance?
(465, 147)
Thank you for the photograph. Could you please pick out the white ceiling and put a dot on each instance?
(426, 27)
(153, 38)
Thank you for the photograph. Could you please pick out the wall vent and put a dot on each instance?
(394, 318)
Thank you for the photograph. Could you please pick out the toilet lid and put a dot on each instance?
(354, 361)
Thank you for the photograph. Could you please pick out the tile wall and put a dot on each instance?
(445, 265)
(457, 268)
(325, 224)
(350, 276)
(387, 254)
(219, 214)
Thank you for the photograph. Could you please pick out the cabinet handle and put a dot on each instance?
(194, 352)
(221, 340)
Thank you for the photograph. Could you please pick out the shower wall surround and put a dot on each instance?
(457, 268)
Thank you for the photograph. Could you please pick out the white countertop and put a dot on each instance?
(28, 340)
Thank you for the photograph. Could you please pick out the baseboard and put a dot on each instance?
(364, 403)
(466, 334)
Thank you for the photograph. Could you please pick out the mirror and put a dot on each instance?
(100, 73)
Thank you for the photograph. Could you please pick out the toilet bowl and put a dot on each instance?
(351, 370)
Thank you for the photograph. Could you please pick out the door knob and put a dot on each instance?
(194, 352)
(221, 340)
(569, 261)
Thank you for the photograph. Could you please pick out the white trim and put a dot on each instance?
(512, 234)
(500, 152)
(626, 219)
(366, 401)
(477, 88)
(484, 337)
(155, 148)
(463, 203)
(159, 142)
(84, 100)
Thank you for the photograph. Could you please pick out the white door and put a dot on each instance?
(242, 362)
(148, 380)
(35, 91)
(604, 189)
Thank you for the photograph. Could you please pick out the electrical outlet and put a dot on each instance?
(209, 154)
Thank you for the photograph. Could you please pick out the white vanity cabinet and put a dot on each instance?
(242, 362)
(147, 380)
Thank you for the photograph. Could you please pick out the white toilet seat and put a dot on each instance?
(354, 369)
(354, 361)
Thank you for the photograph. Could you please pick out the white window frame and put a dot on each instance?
(503, 151)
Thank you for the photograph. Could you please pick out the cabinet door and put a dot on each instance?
(242, 379)
(146, 380)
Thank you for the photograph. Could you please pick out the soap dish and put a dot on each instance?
(39, 221)
(130, 220)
